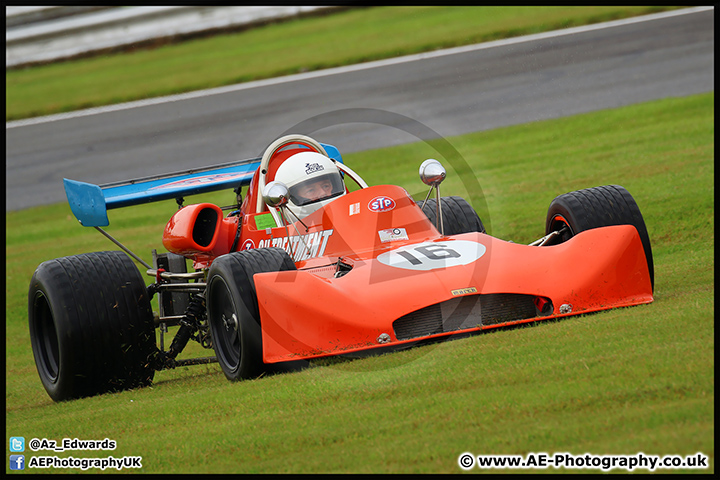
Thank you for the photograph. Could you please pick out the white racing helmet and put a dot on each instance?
(313, 181)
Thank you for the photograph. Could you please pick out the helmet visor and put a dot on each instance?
(316, 189)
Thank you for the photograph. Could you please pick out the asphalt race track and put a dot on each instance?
(470, 90)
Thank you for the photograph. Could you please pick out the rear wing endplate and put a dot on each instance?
(90, 203)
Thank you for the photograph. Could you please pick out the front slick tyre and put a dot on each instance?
(91, 325)
(598, 207)
(233, 311)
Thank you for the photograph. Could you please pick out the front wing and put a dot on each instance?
(463, 283)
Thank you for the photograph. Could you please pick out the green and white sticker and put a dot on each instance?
(264, 221)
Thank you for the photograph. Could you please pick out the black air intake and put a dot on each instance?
(465, 312)
(204, 229)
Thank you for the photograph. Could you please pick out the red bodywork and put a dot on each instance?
(407, 282)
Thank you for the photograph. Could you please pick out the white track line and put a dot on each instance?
(351, 68)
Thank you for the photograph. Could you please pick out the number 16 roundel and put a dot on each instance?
(432, 255)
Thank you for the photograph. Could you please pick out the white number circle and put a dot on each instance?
(433, 255)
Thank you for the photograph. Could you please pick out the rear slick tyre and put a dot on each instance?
(91, 325)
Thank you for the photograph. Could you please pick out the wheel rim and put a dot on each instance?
(47, 347)
(557, 224)
(225, 325)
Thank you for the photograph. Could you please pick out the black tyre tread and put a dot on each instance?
(450, 221)
(596, 198)
(100, 302)
(259, 260)
(80, 359)
(468, 219)
(601, 206)
(81, 269)
(142, 334)
(428, 208)
(241, 267)
(458, 215)
(133, 341)
(136, 331)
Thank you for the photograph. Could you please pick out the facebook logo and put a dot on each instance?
(17, 444)
(17, 462)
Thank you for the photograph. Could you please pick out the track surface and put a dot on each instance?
(486, 88)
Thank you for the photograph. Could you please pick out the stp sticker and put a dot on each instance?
(381, 204)
(433, 255)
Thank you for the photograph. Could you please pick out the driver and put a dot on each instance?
(313, 181)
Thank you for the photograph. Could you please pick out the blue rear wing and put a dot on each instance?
(90, 203)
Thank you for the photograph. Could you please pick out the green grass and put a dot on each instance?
(624, 381)
(341, 38)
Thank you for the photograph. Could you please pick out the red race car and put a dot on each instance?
(305, 267)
